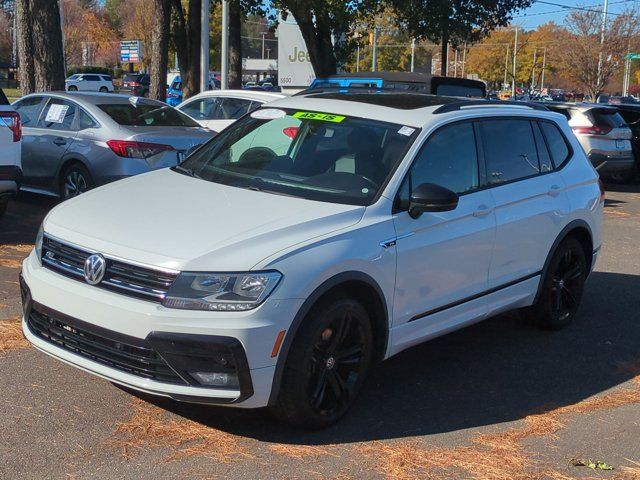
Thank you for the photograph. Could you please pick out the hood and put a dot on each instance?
(174, 221)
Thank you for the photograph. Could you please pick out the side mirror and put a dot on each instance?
(430, 197)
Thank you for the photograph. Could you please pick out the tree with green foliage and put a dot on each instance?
(454, 21)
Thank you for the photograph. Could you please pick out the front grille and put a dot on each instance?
(121, 277)
(127, 354)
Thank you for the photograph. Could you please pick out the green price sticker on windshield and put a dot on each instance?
(325, 117)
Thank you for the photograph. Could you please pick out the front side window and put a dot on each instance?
(232, 108)
(203, 109)
(28, 109)
(146, 114)
(318, 156)
(57, 115)
(448, 159)
(509, 150)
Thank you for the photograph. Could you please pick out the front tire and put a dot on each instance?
(104, 89)
(74, 181)
(327, 365)
(562, 287)
(73, 88)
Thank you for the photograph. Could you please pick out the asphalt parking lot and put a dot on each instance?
(499, 400)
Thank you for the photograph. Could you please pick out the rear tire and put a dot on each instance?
(74, 181)
(326, 366)
(562, 288)
(3, 207)
(73, 88)
(104, 89)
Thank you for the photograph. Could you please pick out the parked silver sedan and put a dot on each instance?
(75, 141)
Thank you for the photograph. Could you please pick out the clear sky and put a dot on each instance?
(542, 12)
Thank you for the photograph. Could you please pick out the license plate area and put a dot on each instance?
(620, 144)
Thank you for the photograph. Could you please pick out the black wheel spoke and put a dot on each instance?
(557, 299)
(317, 396)
(569, 297)
(338, 385)
(350, 355)
(340, 333)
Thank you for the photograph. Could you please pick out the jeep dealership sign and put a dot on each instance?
(294, 64)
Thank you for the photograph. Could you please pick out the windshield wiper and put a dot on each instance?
(185, 171)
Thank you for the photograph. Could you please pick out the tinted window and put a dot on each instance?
(509, 149)
(106, 78)
(131, 78)
(57, 115)
(630, 116)
(556, 142)
(543, 152)
(85, 121)
(606, 118)
(458, 91)
(448, 159)
(29, 109)
(147, 115)
(203, 109)
(233, 108)
(92, 78)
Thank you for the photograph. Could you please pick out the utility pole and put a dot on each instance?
(204, 47)
(533, 69)
(464, 58)
(455, 63)
(544, 65)
(374, 61)
(603, 29)
(515, 64)
(263, 34)
(506, 67)
(224, 63)
(413, 53)
(358, 59)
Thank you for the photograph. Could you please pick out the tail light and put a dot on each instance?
(602, 190)
(12, 120)
(290, 132)
(129, 149)
(593, 130)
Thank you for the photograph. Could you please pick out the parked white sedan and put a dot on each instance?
(89, 82)
(217, 109)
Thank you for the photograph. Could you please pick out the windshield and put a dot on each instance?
(147, 115)
(311, 155)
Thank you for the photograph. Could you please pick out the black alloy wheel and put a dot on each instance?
(75, 180)
(563, 286)
(327, 365)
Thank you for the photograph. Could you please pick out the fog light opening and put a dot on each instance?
(216, 379)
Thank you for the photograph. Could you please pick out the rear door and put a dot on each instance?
(51, 137)
(530, 200)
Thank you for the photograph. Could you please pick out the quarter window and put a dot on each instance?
(509, 150)
(556, 142)
(448, 158)
(543, 152)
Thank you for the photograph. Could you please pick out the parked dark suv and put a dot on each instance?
(136, 84)
(631, 115)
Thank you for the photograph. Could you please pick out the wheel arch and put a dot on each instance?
(353, 284)
(582, 232)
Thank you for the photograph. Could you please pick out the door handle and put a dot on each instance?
(554, 190)
(59, 141)
(482, 211)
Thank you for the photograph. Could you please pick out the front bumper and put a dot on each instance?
(175, 341)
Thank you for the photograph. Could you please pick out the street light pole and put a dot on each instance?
(374, 60)
(204, 47)
(515, 64)
(224, 61)
(413, 53)
(506, 67)
(603, 29)
(544, 65)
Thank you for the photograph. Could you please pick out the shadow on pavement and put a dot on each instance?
(497, 371)
(23, 218)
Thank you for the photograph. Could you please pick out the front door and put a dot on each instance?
(444, 257)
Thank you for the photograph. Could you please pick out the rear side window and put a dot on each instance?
(543, 152)
(233, 108)
(57, 115)
(147, 115)
(604, 117)
(202, 109)
(106, 78)
(509, 150)
(92, 78)
(556, 142)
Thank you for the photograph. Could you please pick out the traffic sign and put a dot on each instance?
(130, 51)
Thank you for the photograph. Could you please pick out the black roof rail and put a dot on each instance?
(454, 106)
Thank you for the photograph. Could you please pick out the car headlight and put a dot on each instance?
(221, 291)
(39, 240)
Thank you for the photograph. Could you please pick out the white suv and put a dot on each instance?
(312, 238)
(11, 147)
(89, 82)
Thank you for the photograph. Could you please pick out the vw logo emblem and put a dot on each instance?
(94, 268)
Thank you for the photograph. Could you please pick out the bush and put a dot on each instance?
(92, 69)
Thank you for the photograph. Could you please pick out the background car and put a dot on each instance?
(135, 84)
(89, 82)
(631, 115)
(603, 134)
(73, 142)
(217, 109)
(174, 91)
(10, 144)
